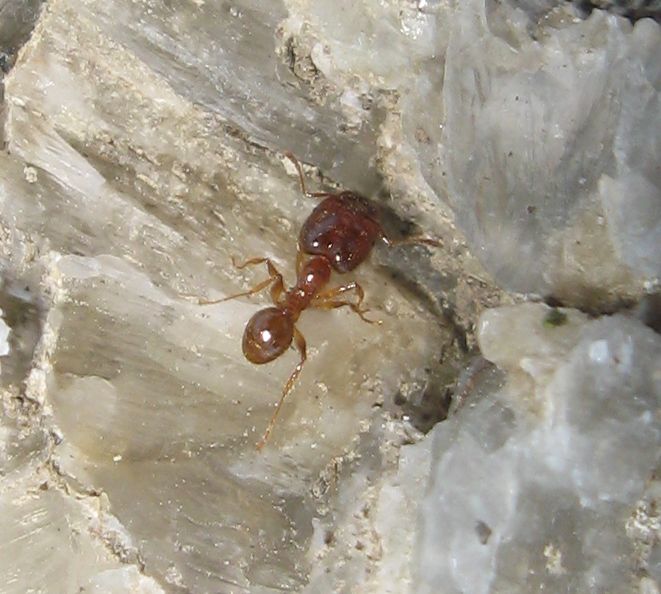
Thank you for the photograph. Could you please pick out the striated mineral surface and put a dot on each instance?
(143, 151)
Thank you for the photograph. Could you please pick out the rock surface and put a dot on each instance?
(549, 483)
(144, 149)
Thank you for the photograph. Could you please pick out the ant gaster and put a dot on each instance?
(338, 235)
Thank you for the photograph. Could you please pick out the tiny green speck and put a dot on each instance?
(555, 318)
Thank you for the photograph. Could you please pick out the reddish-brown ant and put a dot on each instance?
(338, 235)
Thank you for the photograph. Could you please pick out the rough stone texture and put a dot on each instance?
(144, 149)
(117, 194)
(549, 484)
(521, 121)
(17, 20)
(546, 222)
(634, 9)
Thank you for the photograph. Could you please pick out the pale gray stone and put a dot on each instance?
(145, 149)
(535, 130)
(535, 486)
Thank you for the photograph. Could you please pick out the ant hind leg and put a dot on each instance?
(300, 345)
(327, 300)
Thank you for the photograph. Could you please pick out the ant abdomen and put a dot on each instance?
(268, 334)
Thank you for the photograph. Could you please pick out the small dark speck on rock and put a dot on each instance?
(4, 62)
(483, 532)
(422, 136)
(555, 318)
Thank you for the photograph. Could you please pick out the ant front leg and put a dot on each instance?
(297, 164)
(327, 300)
(277, 286)
(416, 240)
(274, 279)
(302, 349)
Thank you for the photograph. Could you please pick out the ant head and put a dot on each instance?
(268, 334)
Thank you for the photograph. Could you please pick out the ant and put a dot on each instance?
(338, 235)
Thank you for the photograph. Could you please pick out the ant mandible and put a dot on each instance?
(338, 235)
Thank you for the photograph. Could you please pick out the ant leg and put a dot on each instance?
(300, 345)
(297, 164)
(335, 304)
(335, 291)
(251, 262)
(326, 300)
(417, 240)
(274, 279)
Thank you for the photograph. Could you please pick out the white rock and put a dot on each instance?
(144, 149)
(46, 543)
(4, 336)
(532, 487)
(120, 581)
(545, 132)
